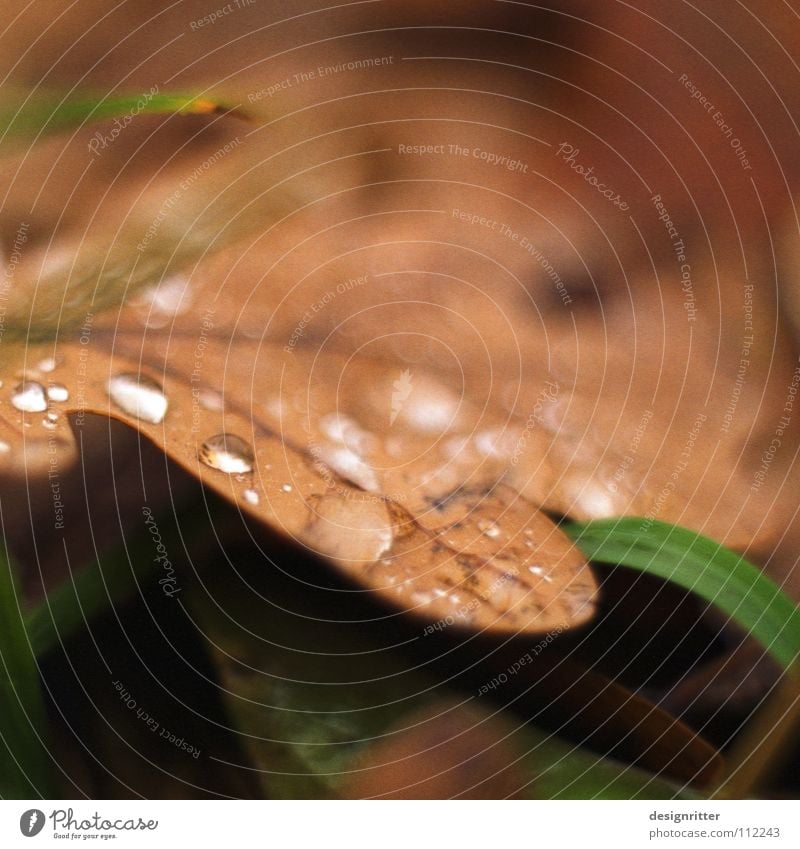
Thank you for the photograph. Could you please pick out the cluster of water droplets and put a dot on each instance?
(35, 394)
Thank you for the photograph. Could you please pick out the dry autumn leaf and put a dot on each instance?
(390, 319)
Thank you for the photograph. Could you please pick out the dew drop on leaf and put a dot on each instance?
(489, 529)
(57, 392)
(228, 453)
(210, 400)
(350, 466)
(139, 396)
(29, 397)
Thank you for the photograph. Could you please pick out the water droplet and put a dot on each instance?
(228, 453)
(49, 424)
(340, 428)
(139, 396)
(164, 301)
(287, 487)
(251, 496)
(57, 392)
(424, 404)
(421, 599)
(350, 530)
(52, 416)
(489, 529)
(539, 571)
(349, 465)
(46, 365)
(336, 426)
(596, 500)
(274, 406)
(210, 400)
(4, 447)
(29, 397)
(498, 443)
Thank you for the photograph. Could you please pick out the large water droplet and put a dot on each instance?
(29, 397)
(350, 530)
(57, 392)
(228, 453)
(138, 395)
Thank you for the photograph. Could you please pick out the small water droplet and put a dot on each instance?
(274, 406)
(46, 365)
(160, 303)
(421, 599)
(489, 529)
(57, 392)
(497, 443)
(340, 428)
(210, 400)
(287, 487)
(228, 453)
(138, 395)
(539, 571)
(4, 447)
(350, 466)
(251, 496)
(29, 397)
(424, 404)
(336, 426)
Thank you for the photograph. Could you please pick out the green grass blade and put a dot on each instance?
(25, 767)
(41, 116)
(93, 590)
(697, 563)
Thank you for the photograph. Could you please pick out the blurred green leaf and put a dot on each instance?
(697, 563)
(25, 767)
(39, 116)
